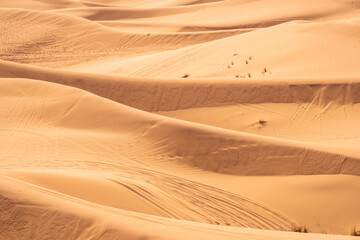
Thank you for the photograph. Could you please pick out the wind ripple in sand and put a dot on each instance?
(251, 123)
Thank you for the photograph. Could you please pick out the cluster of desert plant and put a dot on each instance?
(354, 232)
(240, 76)
(304, 229)
(247, 61)
(300, 229)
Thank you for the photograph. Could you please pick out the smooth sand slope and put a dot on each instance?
(179, 119)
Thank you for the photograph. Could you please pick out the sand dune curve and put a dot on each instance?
(179, 119)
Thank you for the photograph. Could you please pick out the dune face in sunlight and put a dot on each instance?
(180, 119)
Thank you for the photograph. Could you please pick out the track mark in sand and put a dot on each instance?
(176, 197)
(184, 199)
(24, 140)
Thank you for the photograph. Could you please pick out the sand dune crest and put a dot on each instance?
(179, 119)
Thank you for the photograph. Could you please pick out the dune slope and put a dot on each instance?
(179, 119)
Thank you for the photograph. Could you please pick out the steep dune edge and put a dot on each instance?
(196, 15)
(178, 27)
(114, 13)
(262, 13)
(53, 215)
(206, 147)
(307, 54)
(311, 95)
(59, 40)
(334, 124)
(156, 94)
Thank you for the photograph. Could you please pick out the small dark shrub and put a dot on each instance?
(262, 122)
(300, 229)
(354, 232)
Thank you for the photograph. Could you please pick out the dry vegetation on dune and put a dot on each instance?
(179, 119)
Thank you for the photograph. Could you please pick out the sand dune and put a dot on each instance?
(58, 40)
(235, 57)
(125, 138)
(179, 119)
(82, 220)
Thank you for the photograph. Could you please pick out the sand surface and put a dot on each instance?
(179, 119)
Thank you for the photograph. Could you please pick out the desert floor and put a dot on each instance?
(180, 119)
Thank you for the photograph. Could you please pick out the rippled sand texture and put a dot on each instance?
(179, 119)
